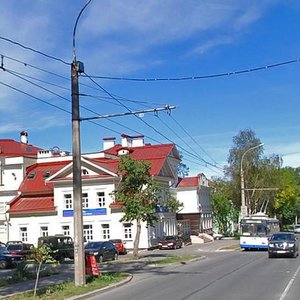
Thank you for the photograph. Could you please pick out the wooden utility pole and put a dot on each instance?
(79, 258)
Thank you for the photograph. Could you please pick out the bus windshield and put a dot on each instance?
(254, 229)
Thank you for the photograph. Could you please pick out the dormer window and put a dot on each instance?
(47, 174)
(85, 172)
(31, 175)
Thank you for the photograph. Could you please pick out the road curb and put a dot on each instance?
(101, 290)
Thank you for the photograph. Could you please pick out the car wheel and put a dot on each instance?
(100, 259)
(271, 255)
(3, 264)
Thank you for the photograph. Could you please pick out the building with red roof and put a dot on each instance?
(196, 214)
(44, 205)
(15, 157)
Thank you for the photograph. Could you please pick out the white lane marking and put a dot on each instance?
(289, 284)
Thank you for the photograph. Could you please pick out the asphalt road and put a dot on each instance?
(225, 275)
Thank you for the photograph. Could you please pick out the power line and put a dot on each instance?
(194, 140)
(147, 124)
(225, 74)
(184, 142)
(34, 50)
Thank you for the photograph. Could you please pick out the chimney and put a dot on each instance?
(108, 142)
(24, 137)
(132, 141)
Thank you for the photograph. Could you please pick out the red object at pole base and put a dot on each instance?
(91, 266)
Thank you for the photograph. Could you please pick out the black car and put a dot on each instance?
(103, 251)
(61, 245)
(283, 244)
(8, 260)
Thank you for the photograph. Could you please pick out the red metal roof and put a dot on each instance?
(155, 154)
(36, 175)
(188, 182)
(11, 148)
(32, 204)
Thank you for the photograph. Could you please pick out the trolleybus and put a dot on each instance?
(255, 231)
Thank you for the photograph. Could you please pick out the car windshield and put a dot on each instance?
(93, 245)
(14, 247)
(280, 237)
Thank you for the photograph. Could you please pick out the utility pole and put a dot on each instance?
(79, 258)
(79, 254)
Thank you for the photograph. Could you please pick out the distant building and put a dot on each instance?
(196, 215)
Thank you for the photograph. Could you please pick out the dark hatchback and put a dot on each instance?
(8, 260)
(103, 250)
(170, 242)
(283, 244)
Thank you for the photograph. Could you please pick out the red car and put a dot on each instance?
(120, 245)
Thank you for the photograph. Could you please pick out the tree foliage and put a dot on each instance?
(287, 199)
(182, 169)
(260, 173)
(140, 195)
(224, 214)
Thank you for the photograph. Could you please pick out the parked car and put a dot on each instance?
(217, 236)
(297, 228)
(102, 250)
(8, 260)
(62, 245)
(20, 248)
(120, 245)
(170, 242)
(283, 243)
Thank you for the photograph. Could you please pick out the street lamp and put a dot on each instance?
(244, 206)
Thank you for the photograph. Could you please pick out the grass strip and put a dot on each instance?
(68, 289)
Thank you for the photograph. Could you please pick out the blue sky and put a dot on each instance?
(155, 39)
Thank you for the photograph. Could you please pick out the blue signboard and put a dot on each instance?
(86, 212)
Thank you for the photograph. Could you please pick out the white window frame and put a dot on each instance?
(105, 231)
(68, 201)
(44, 230)
(101, 199)
(127, 231)
(23, 234)
(88, 232)
(65, 230)
(85, 200)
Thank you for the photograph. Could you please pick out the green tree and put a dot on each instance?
(42, 254)
(182, 169)
(224, 213)
(140, 195)
(287, 199)
(259, 172)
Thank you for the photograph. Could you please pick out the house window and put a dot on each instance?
(88, 232)
(105, 234)
(68, 201)
(23, 234)
(127, 231)
(65, 229)
(101, 199)
(85, 200)
(44, 231)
